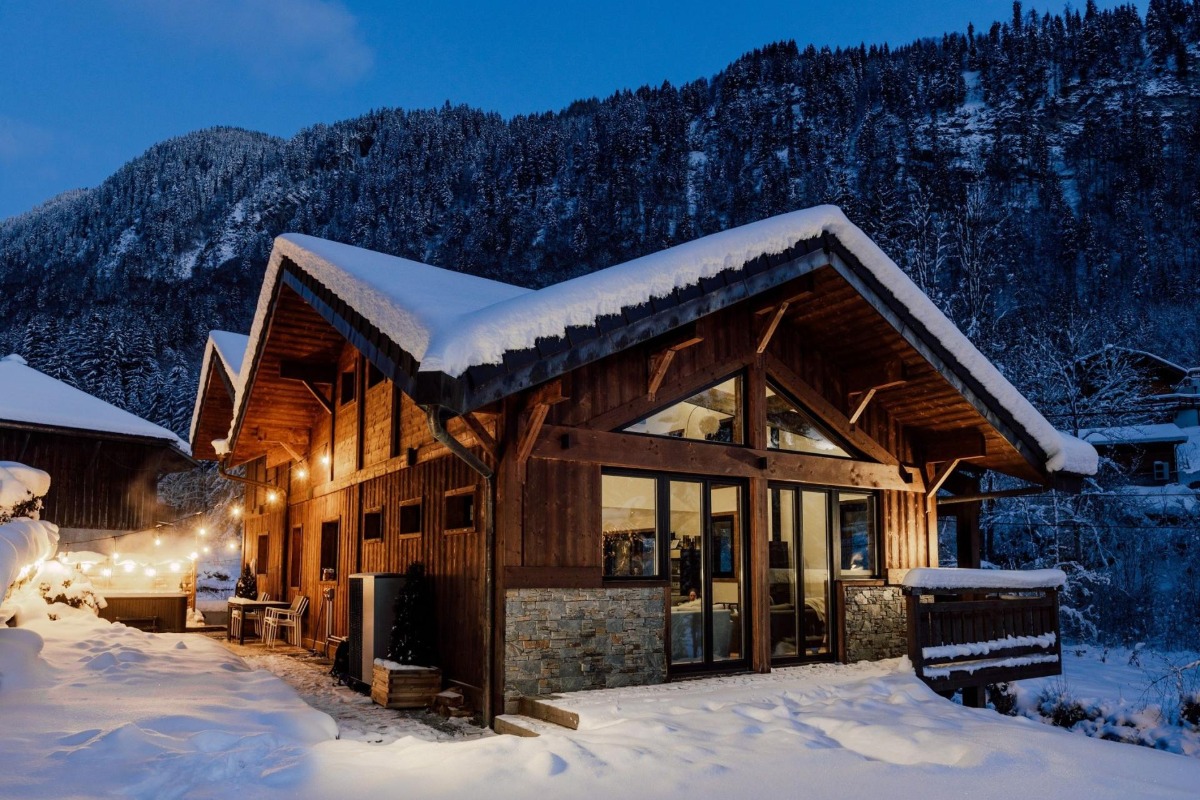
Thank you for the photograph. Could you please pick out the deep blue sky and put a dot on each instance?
(88, 85)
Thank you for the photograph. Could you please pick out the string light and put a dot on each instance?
(233, 546)
(106, 572)
(325, 459)
(205, 549)
(202, 532)
(129, 565)
(236, 511)
(174, 566)
(194, 555)
(301, 473)
(158, 541)
(272, 496)
(150, 572)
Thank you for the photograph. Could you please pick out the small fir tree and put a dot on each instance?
(247, 585)
(413, 633)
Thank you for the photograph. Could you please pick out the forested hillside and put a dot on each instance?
(1037, 178)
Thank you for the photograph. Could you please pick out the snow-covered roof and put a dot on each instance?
(229, 350)
(34, 398)
(450, 322)
(1158, 433)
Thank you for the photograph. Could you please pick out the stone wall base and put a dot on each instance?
(876, 626)
(567, 640)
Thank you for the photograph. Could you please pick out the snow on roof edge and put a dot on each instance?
(957, 578)
(225, 354)
(60, 405)
(518, 320)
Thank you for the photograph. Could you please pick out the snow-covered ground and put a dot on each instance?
(1121, 694)
(105, 710)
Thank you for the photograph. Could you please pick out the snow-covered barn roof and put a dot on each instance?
(223, 356)
(30, 397)
(1157, 433)
(460, 341)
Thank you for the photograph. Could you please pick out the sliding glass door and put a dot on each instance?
(799, 570)
(707, 557)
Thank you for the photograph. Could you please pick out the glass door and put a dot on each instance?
(799, 571)
(707, 551)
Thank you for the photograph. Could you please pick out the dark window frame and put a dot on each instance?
(324, 564)
(419, 504)
(852, 454)
(451, 496)
(377, 511)
(347, 387)
(743, 414)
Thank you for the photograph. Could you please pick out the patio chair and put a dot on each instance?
(253, 617)
(287, 618)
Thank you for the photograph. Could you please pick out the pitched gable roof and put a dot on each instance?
(30, 397)
(220, 375)
(455, 340)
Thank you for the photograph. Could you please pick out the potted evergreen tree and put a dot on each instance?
(409, 677)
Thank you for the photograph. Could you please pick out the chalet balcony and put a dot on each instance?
(968, 628)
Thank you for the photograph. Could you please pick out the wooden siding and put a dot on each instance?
(94, 483)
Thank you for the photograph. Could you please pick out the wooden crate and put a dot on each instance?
(405, 688)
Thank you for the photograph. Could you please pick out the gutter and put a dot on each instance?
(239, 479)
(440, 433)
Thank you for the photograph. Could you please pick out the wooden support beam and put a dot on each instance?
(290, 450)
(550, 394)
(963, 443)
(297, 439)
(863, 401)
(940, 476)
(319, 372)
(794, 291)
(537, 416)
(863, 383)
(765, 338)
(887, 375)
(826, 412)
(326, 402)
(482, 436)
(635, 451)
(659, 363)
(661, 360)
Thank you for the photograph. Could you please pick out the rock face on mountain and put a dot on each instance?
(1046, 170)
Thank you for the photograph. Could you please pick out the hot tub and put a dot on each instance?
(165, 612)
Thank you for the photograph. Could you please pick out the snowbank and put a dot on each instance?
(23, 541)
(115, 712)
(1015, 579)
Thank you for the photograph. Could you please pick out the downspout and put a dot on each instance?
(487, 473)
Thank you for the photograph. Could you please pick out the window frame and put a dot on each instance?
(419, 502)
(337, 548)
(375, 511)
(773, 385)
(742, 415)
(834, 494)
(661, 548)
(452, 494)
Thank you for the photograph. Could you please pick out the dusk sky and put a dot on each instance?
(88, 86)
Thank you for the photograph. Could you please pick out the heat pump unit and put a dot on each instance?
(372, 598)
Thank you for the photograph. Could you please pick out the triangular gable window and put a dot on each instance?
(790, 428)
(712, 415)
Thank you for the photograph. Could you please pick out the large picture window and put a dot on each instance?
(856, 534)
(629, 521)
(790, 428)
(712, 415)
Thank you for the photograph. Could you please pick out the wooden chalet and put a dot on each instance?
(724, 456)
(104, 463)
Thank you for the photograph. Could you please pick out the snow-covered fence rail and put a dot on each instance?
(970, 628)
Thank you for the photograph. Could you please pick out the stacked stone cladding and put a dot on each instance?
(566, 640)
(876, 625)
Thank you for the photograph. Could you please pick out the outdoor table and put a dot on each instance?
(248, 605)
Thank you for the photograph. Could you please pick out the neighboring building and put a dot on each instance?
(1165, 451)
(723, 456)
(104, 463)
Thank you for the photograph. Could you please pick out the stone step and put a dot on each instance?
(520, 725)
(547, 712)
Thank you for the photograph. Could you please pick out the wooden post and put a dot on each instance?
(759, 627)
